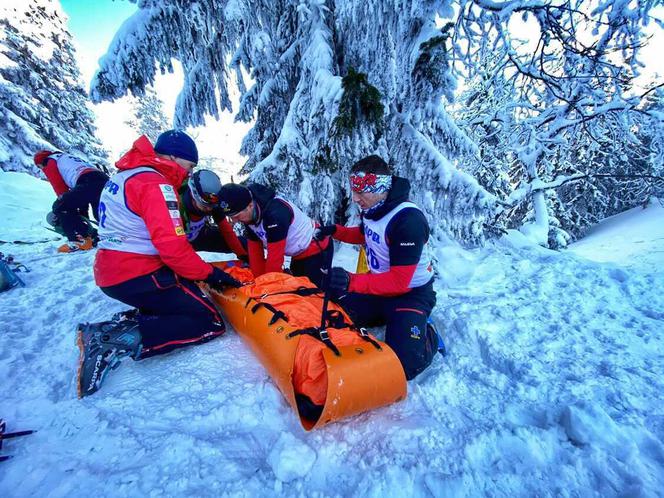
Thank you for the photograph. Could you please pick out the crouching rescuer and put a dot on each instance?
(398, 290)
(145, 261)
(78, 186)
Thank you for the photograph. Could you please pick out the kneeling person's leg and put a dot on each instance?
(68, 210)
(408, 335)
(174, 312)
(313, 266)
(364, 309)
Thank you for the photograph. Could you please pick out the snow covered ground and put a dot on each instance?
(553, 386)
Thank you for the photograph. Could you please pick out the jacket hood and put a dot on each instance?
(142, 154)
(398, 193)
(263, 196)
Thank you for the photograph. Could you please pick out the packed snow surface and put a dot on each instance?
(552, 386)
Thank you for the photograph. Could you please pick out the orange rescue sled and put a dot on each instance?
(272, 315)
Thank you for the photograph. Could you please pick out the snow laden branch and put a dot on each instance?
(555, 93)
(190, 32)
(297, 54)
(521, 194)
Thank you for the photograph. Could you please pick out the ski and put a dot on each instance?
(9, 435)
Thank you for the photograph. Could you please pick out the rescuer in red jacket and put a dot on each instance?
(398, 290)
(145, 261)
(78, 186)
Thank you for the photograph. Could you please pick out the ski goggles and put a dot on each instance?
(205, 199)
(370, 182)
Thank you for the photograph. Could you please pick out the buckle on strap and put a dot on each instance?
(317, 333)
(362, 332)
(325, 337)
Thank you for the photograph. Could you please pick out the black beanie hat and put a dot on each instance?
(233, 198)
(177, 143)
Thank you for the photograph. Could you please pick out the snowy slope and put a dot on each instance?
(633, 238)
(553, 387)
(24, 202)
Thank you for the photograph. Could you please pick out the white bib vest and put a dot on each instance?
(300, 232)
(70, 167)
(120, 229)
(378, 252)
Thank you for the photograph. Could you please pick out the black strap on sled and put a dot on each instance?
(300, 291)
(276, 314)
(335, 318)
(317, 333)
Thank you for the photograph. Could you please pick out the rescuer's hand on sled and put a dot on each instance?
(219, 280)
(323, 231)
(338, 279)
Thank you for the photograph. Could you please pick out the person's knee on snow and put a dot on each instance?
(395, 234)
(412, 341)
(144, 259)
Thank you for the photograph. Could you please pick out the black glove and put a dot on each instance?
(219, 280)
(338, 279)
(321, 232)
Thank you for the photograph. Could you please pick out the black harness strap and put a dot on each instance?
(276, 314)
(364, 335)
(316, 333)
(336, 319)
(300, 291)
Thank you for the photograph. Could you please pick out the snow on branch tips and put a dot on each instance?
(556, 92)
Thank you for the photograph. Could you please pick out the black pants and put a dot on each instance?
(313, 266)
(173, 311)
(210, 239)
(405, 317)
(73, 206)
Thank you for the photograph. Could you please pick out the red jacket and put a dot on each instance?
(144, 197)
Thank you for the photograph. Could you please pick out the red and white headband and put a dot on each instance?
(362, 182)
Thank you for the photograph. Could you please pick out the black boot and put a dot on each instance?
(436, 337)
(102, 346)
(130, 314)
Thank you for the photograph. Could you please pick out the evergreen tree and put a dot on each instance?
(149, 117)
(42, 101)
(332, 81)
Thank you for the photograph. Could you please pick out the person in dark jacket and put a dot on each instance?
(398, 290)
(145, 261)
(78, 186)
(278, 226)
(206, 225)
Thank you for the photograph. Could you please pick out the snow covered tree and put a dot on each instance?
(313, 63)
(43, 104)
(149, 117)
(572, 85)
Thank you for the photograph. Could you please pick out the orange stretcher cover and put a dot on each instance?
(361, 378)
